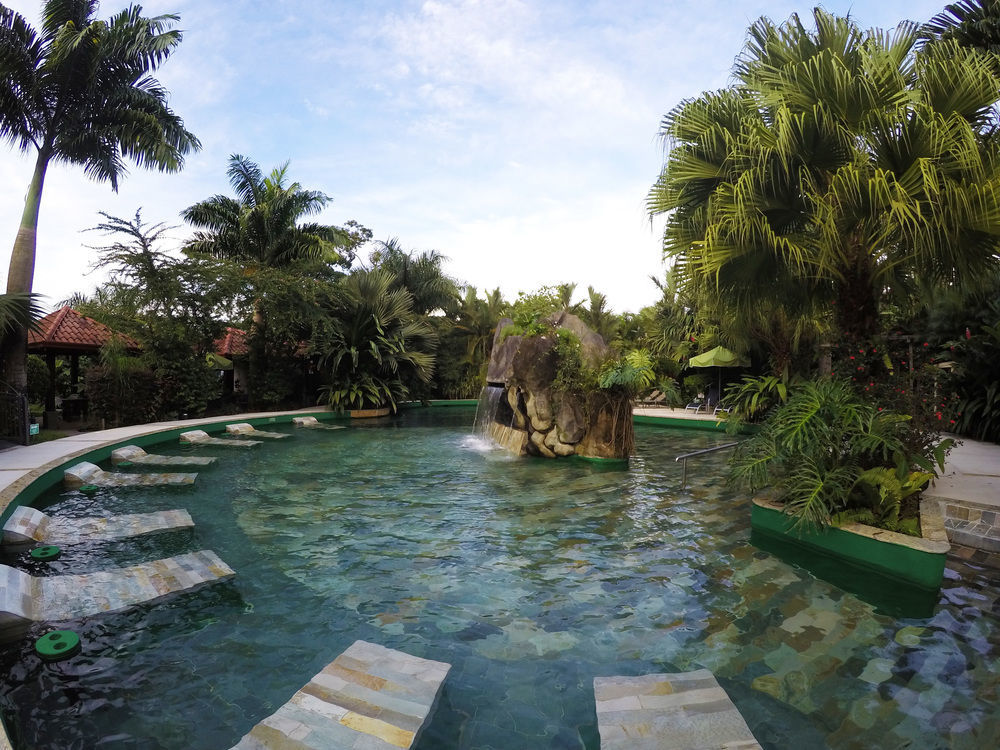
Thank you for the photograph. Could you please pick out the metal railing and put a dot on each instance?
(685, 456)
(13, 415)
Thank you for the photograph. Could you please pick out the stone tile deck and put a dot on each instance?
(683, 711)
(25, 598)
(139, 457)
(369, 698)
(248, 430)
(27, 524)
(200, 437)
(88, 473)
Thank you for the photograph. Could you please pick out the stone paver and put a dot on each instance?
(200, 437)
(369, 698)
(315, 424)
(245, 429)
(25, 598)
(88, 473)
(968, 492)
(139, 457)
(27, 524)
(682, 711)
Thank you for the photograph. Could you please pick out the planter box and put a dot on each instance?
(918, 561)
(368, 413)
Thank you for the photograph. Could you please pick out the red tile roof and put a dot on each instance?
(234, 343)
(68, 330)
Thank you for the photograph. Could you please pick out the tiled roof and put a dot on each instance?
(234, 343)
(69, 330)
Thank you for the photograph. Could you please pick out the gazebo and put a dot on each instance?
(66, 332)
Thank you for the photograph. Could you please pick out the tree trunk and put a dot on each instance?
(857, 301)
(20, 276)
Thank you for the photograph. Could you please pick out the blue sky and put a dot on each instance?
(516, 137)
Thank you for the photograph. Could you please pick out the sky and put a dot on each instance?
(518, 138)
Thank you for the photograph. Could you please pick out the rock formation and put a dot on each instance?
(535, 417)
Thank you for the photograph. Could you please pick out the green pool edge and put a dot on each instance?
(901, 562)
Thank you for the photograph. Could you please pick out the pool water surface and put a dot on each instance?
(530, 577)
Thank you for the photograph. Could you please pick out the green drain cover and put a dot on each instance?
(89, 489)
(46, 553)
(57, 645)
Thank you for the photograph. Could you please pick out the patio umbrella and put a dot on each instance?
(719, 357)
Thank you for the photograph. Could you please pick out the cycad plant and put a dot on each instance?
(374, 343)
(829, 456)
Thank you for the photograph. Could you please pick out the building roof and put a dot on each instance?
(232, 344)
(69, 331)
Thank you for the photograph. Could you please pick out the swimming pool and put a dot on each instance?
(530, 577)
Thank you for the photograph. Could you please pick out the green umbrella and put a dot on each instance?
(218, 362)
(720, 356)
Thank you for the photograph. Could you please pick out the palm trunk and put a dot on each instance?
(20, 276)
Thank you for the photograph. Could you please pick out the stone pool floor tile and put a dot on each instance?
(682, 711)
(369, 698)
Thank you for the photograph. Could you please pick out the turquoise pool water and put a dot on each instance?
(530, 577)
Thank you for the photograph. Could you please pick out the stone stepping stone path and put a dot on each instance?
(369, 698)
(200, 437)
(25, 598)
(314, 424)
(247, 429)
(31, 525)
(87, 473)
(682, 711)
(136, 455)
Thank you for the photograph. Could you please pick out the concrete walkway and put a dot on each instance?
(969, 494)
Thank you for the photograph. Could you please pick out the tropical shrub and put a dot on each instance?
(831, 456)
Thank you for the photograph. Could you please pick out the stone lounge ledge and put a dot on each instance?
(314, 424)
(136, 455)
(246, 429)
(200, 437)
(87, 473)
(27, 525)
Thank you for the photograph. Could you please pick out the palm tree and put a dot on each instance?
(421, 274)
(842, 166)
(597, 315)
(260, 230)
(477, 319)
(79, 90)
(376, 343)
(971, 23)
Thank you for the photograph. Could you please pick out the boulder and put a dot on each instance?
(570, 420)
(500, 369)
(593, 349)
(609, 431)
(538, 440)
(553, 443)
(539, 410)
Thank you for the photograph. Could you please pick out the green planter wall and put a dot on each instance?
(918, 561)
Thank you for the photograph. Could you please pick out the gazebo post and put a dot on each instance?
(50, 394)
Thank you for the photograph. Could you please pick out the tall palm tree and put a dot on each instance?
(842, 166)
(421, 274)
(79, 90)
(477, 319)
(260, 229)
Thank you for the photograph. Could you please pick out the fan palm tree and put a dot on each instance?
(842, 166)
(79, 90)
(260, 229)
(421, 274)
(971, 23)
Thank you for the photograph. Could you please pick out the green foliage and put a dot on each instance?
(572, 375)
(755, 396)
(629, 374)
(530, 310)
(421, 274)
(824, 450)
(122, 390)
(373, 344)
(38, 379)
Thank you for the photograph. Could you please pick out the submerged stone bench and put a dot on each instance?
(200, 437)
(681, 711)
(25, 598)
(88, 473)
(315, 424)
(31, 525)
(245, 428)
(370, 697)
(138, 456)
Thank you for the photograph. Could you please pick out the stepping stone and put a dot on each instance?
(245, 428)
(200, 437)
(25, 599)
(88, 473)
(683, 711)
(31, 525)
(315, 424)
(370, 697)
(138, 456)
